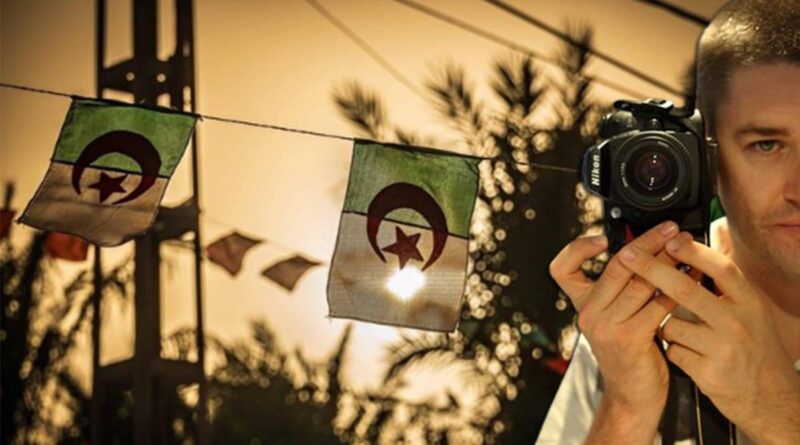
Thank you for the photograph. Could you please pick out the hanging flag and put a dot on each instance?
(228, 252)
(288, 272)
(402, 250)
(66, 247)
(109, 171)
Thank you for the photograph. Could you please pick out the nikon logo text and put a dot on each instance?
(595, 172)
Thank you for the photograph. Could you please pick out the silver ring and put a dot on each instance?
(660, 332)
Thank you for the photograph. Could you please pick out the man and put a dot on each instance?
(741, 352)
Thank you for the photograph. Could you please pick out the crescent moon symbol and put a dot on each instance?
(133, 145)
(403, 195)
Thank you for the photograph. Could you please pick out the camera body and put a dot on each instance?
(652, 164)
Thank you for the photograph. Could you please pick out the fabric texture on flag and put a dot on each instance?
(402, 249)
(228, 252)
(66, 247)
(109, 171)
(288, 272)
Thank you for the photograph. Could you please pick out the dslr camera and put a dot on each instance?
(652, 164)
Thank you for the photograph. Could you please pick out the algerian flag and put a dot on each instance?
(402, 249)
(109, 171)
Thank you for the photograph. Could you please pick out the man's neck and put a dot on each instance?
(781, 295)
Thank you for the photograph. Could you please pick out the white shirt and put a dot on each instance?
(577, 401)
(578, 398)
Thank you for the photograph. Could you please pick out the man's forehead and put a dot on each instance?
(763, 98)
(770, 82)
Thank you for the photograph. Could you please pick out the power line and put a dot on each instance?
(680, 12)
(36, 90)
(366, 47)
(274, 127)
(599, 54)
(516, 47)
(375, 54)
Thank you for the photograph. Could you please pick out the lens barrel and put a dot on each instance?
(652, 168)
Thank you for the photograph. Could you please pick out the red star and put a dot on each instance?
(107, 185)
(405, 247)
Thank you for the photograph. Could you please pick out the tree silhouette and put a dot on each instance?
(39, 331)
(259, 393)
(514, 328)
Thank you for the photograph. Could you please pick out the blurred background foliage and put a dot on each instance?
(514, 338)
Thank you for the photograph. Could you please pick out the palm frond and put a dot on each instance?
(409, 351)
(362, 108)
(573, 94)
(455, 102)
(515, 82)
(408, 137)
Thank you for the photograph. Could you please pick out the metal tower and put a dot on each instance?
(147, 379)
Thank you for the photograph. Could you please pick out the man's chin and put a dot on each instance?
(783, 253)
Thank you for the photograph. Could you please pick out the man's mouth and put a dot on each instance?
(791, 227)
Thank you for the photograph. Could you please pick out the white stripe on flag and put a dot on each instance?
(363, 287)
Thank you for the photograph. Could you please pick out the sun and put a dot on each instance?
(406, 282)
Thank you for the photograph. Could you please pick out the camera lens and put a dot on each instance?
(653, 171)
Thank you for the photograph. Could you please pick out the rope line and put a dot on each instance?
(275, 127)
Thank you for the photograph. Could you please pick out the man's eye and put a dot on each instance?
(766, 146)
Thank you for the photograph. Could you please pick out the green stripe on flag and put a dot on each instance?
(88, 119)
(451, 179)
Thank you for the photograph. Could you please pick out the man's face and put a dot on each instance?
(758, 130)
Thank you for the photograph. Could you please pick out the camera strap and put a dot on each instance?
(689, 413)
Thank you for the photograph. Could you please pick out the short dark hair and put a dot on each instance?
(743, 33)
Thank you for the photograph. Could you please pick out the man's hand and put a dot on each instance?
(734, 354)
(619, 318)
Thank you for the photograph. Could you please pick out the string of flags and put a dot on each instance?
(402, 245)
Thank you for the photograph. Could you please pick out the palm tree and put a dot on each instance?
(513, 316)
(259, 393)
(38, 335)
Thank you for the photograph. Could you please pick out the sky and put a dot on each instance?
(277, 62)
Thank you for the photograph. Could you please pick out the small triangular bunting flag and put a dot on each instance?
(288, 272)
(228, 252)
(66, 247)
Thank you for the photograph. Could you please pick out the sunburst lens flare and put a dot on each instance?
(406, 282)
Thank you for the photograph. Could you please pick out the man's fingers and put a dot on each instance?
(651, 315)
(615, 276)
(695, 336)
(566, 266)
(635, 295)
(686, 359)
(674, 283)
(720, 268)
